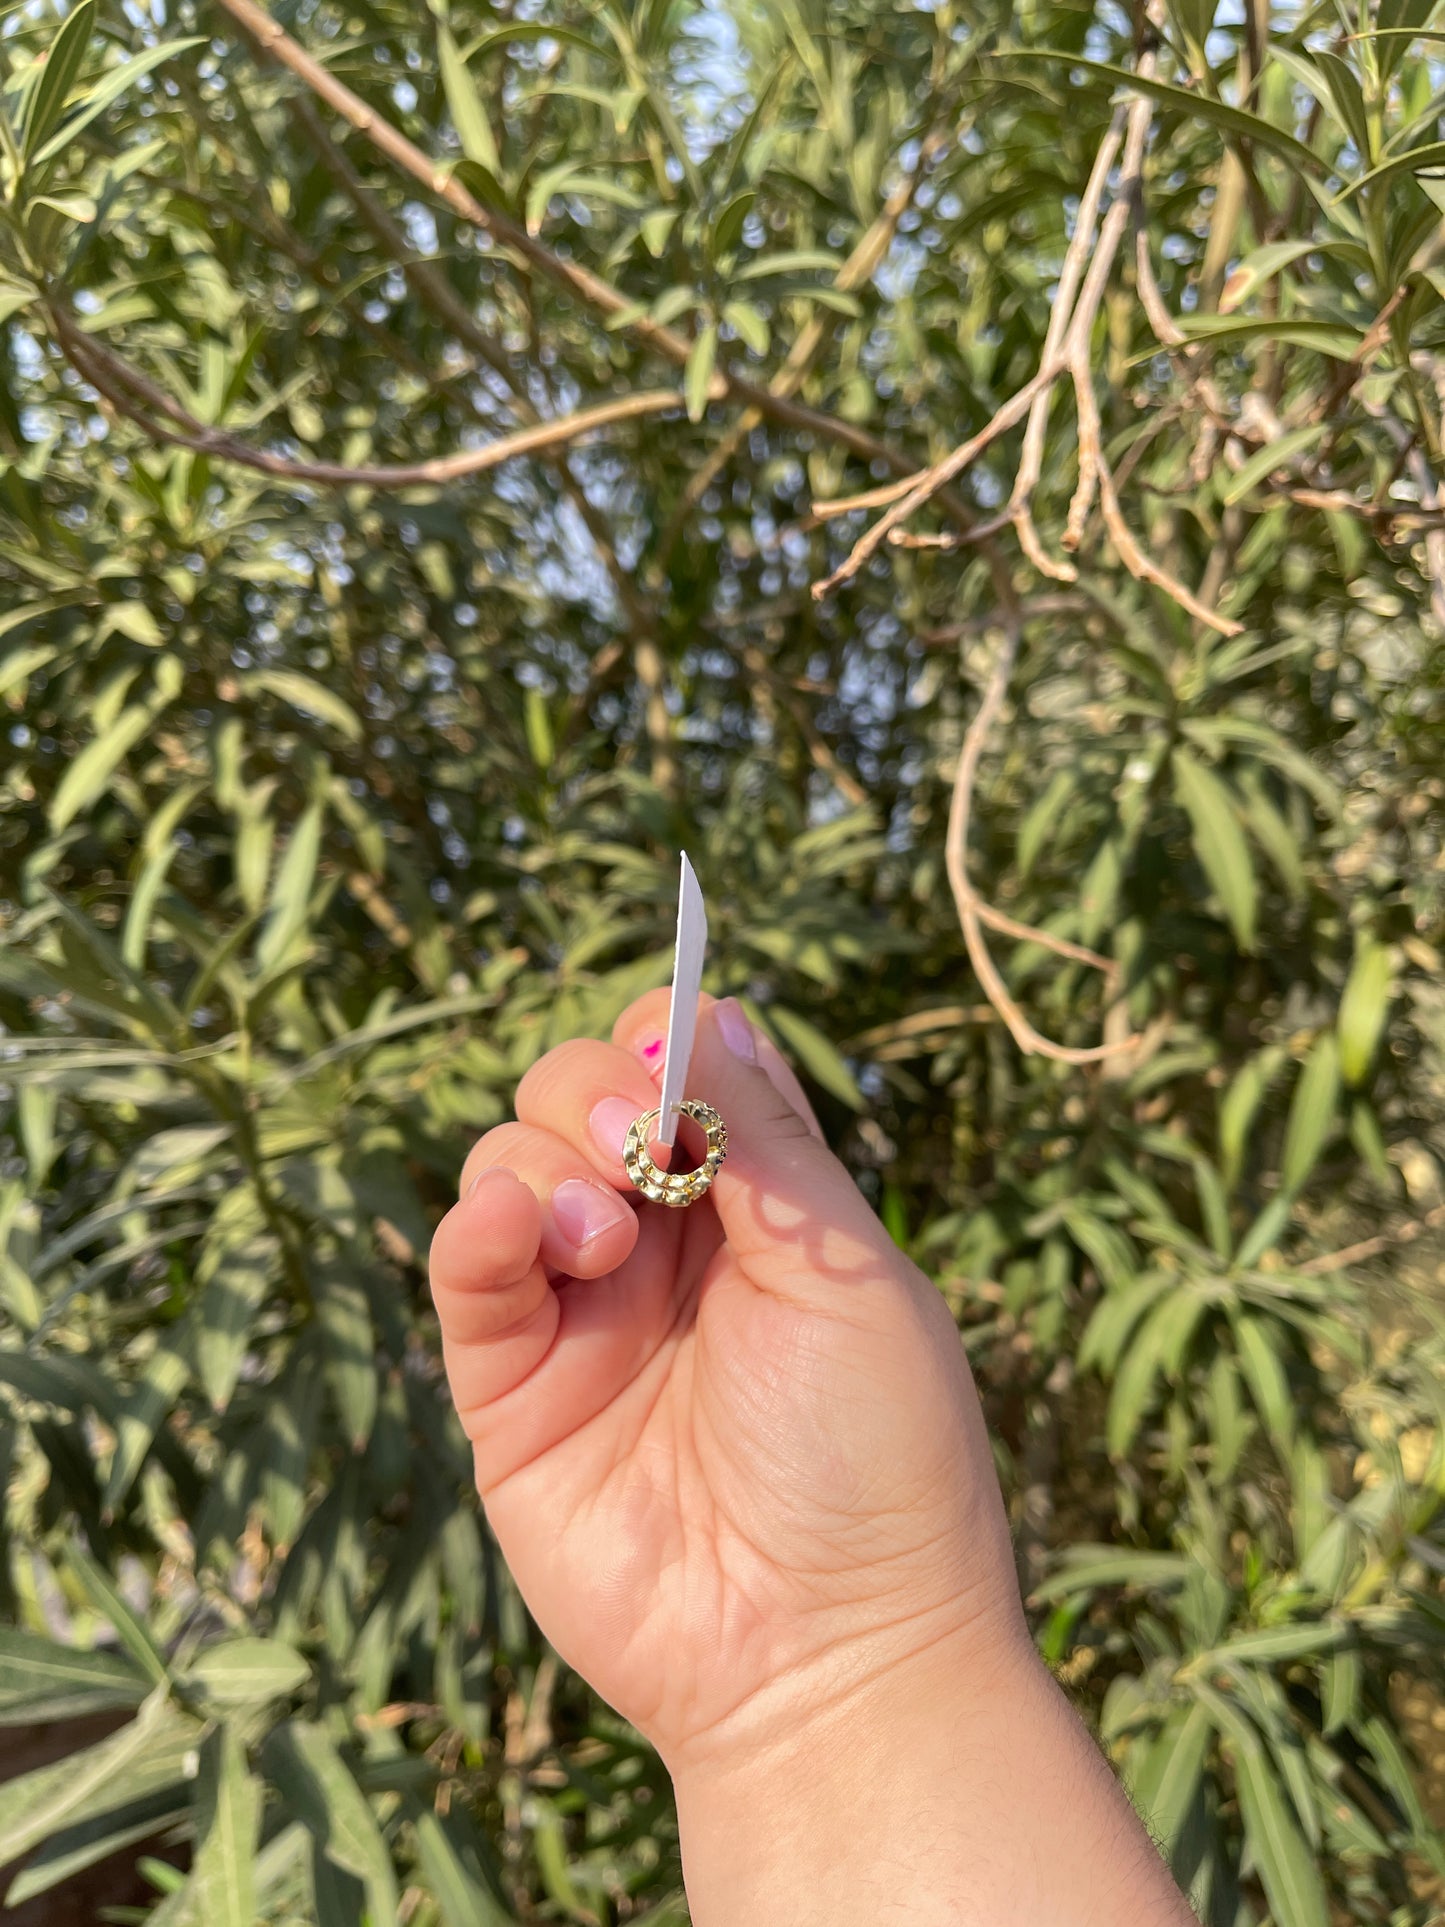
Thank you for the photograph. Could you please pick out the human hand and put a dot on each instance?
(733, 1454)
(737, 1465)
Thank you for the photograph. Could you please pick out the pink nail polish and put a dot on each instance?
(582, 1211)
(735, 1030)
(609, 1123)
(650, 1051)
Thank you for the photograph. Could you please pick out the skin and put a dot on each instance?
(737, 1464)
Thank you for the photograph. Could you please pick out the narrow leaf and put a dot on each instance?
(228, 1821)
(697, 377)
(1219, 842)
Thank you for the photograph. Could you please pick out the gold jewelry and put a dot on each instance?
(675, 1187)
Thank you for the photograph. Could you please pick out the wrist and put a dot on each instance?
(914, 1684)
(957, 1786)
(812, 1803)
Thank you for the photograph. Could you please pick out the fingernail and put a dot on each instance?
(649, 1047)
(735, 1030)
(609, 1125)
(582, 1210)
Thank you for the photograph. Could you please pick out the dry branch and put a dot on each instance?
(1402, 1234)
(138, 399)
(974, 913)
(1066, 352)
(589, 288)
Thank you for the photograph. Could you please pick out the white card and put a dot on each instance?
(686, 988)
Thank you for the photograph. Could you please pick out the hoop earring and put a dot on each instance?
(675, 1188)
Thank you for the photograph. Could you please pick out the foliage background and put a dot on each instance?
(332, 799)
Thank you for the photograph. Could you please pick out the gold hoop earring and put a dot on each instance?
(676, 1188)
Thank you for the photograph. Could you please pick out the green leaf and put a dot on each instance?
(452, 1872)
(1340, 1687)
(817, 1054)
(1277, 453)
(749, 324)
(228, 1823)
(1233, 123)
(1333, 338)
(1115, 1317)
(1312, 1112)
(318, 1788)
(96, 99)
(1218, 842)
(788, 261)
(42, 1681)
(142, 1415)
(1335, 86)
(1165, 1788)
(1273, 835)
(1042, 817)
(1260, 1343)
(349, 1348)
(234, 1282)
(148, 1753)
(464, 103)
(108, 1601)
(97, 1835)
(246, 1671)
(1240, 1106)
(697, 376)
(149, 885)
(291, 893)
(727, 225)
(312, 698)
(1263, 264)
(1090, 1567)
(538, 722)
(1363, 1009)
(1272, 1645)
(1138, 1373)
(92, 770)
(1417, 160)
(58, 76)
(1286, 1866)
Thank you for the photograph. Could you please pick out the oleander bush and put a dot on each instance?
(427, 436)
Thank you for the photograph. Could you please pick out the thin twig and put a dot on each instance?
(1088, 262)
(973, 913)
(930, 480)
(858, 269)
(589, 288)
(1402, 1234)
(822, 755)
(134, 396)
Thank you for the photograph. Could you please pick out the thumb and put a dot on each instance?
(792, 1215)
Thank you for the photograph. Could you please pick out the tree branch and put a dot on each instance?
(973, 912)
(135, 397)
(1083, 277)
(859, 268)
(1402, 1234)
(587, 287)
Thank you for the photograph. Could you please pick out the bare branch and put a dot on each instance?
(135, 397)
(973, 913)
(931, 480)
(1088, 262)
(1402, 1234)
(859, 268)
(587, 287)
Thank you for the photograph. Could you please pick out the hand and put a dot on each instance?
(732, 1453)
(737, 1465)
